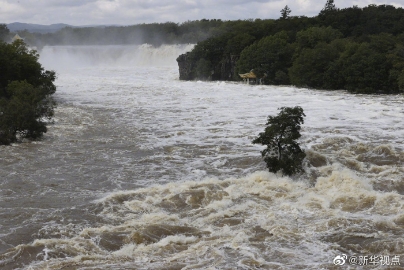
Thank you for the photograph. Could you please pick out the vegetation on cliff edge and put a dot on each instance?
(357, 49)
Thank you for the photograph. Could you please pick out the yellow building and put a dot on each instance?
(247, 76)
(16, 37)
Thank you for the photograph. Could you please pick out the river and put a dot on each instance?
(140, 170)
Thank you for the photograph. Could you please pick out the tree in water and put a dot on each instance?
(283, 153)
(285, 12)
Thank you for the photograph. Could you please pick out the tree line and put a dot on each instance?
(152, 33)
(357, 49)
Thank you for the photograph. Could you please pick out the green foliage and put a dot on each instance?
(271, 56)
(310, 37)
(236, 44)
(23, 113)
(358, 49)
(211, 50)
(311, 66)
(314, 58)
(17, 63)
(25, 94)
(364, 69)
(370, 20)
(282, 151)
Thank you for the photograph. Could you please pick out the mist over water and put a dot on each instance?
(142, 171)
(146, 55)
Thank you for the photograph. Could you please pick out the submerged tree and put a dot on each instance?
(283, 153)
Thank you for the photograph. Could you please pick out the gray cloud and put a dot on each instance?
(127, 12)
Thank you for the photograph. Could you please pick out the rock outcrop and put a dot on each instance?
(224, 70)
(185, 66)
(228, 68)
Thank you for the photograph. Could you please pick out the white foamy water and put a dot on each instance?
(143, 171)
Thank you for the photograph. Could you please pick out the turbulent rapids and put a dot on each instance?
(142, 171)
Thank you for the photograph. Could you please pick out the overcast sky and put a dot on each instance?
(128, 12)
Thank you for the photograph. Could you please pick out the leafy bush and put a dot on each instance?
(271, 55)
(312, 66)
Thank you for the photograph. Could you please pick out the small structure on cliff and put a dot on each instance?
(16, 37)
(247, 76)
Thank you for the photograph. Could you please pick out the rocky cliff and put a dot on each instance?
(224, 70)
(185, 66)
(228, 68)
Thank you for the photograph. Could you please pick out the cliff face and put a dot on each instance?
(185, 66)
(224, 70)
(228, 68)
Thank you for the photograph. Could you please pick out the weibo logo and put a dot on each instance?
(340, 259)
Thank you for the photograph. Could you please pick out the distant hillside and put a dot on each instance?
(35, 28)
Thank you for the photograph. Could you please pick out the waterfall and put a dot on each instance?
(56, 57)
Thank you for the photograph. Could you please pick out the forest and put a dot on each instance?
(356, 49)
